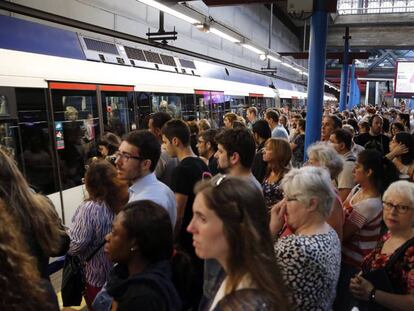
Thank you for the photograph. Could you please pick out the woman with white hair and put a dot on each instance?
(394, 255)
(324, 155)
(310, 257)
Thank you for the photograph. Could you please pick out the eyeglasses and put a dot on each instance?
(126, 156)
(401, 209)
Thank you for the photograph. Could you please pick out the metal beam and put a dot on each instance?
(61, 20)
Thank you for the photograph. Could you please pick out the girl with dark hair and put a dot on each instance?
(402, 154)
(20, 282)
(108, 145)
(373, 173)
(231, 225)
(35, 217)
(92, 221)
(141, 242)
(396, 127)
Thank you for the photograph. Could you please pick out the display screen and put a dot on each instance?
(404, 79)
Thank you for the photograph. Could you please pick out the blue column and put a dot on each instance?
(344, 72)
(317, 57)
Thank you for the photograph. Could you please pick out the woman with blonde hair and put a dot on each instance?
(230, 225)
(34, 216)
(277, 153)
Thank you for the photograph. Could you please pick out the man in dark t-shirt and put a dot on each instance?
(374, 139)
(190, 169)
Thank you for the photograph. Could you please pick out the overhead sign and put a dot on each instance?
(404, 79)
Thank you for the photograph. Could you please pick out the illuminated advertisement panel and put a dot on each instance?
(404, 79)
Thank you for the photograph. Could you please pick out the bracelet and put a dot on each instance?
(372, 295)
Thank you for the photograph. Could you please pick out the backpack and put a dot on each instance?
(374, 144)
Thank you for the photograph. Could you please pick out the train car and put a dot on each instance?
(60, 90)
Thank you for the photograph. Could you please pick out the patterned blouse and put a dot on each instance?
(310, 266)
(90, 224)
(273, 192)
(401, 273)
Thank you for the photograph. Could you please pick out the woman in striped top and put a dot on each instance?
(92, 222)
(363, 214)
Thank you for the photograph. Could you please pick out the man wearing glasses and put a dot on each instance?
(136, 159)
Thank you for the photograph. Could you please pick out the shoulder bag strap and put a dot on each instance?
(399, 253)
(95, 251)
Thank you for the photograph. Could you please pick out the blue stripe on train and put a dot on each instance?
(22, 35)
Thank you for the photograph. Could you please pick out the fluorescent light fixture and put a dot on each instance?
(223, 35)
(277, 60)
(296, 69)
(263, 56)
(305, 73)
(170, 11)
(252, 48)
(287, 65)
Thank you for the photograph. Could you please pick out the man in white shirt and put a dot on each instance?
(136, 160)
(278, 131)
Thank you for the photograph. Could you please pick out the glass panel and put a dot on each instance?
(9, 137)
(36, 141)
(202, 109)
(171, 104)
(143, 109)
(76, 125)
(188, 106)
(117, 110)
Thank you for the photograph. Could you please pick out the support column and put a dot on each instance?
(344, 72)
(376, 93)
(366, 93)
(317, 57)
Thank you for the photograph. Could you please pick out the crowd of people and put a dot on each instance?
(186, 217)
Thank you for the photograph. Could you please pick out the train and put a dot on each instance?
(60, 90)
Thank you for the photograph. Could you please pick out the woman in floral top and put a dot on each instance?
(398, 202)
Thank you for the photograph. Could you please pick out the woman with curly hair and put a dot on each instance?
(92, 222)
(35, 216)
(19, 280)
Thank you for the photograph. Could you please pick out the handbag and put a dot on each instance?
(73, 280)
(380, 278)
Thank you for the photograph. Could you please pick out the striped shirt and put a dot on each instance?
(367, 216)
(90, 223)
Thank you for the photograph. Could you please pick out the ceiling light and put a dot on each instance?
(252, 48)
(287, 65)
(296, 69)
(274, 58)
(170, 11)
(223, 35)
(263, 57)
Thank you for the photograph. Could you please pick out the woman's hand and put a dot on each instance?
(277, 217)
(361, 288)
(398, 150)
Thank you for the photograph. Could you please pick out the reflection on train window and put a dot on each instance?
(4, 111)
(36, 141)
(117, 112)
(8, 135)
(76, 121)
(171, 104)
(143, 109)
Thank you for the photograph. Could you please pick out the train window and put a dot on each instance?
(211, 106)
(117, 110)
(170, 103)
(36, 142)
(77, 129)
(188, 107)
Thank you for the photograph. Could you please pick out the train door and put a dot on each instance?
(257, 100)
(117, 104)
(77, 127)
(210, 105)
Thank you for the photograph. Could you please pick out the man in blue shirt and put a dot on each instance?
(136, 160)
(278, 131)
